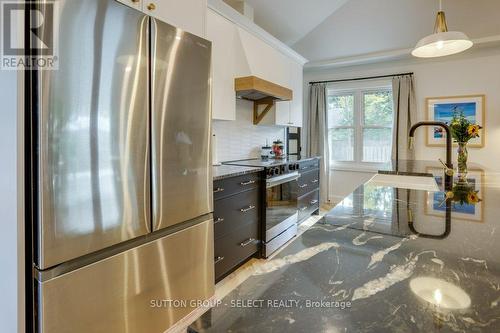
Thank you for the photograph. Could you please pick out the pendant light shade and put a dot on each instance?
(442, 42)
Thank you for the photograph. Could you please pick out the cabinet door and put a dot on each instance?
(222, 33)
(137, 4)
(297, 104)
(189, 15)
(282, 116)
(290, 113)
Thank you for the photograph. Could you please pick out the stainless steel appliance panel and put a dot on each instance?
(93, 132)
(181, 125)
(280, 240)
(281, 204)
(129, 291)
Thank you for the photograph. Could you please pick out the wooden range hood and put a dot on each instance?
(261, 92)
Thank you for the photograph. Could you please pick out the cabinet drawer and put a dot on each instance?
(232, 212)
(229, 186)
(308, 181)
(308, 165)
(234, 248)
(308, 204)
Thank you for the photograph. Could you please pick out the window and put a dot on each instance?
(360, 122)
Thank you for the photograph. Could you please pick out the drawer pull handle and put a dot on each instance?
(314, 181)
(218, 259)
(303, 208)
(248, 242)
(314, 202)
(244, 210)
(250, 182)
(303, 186)
(151, 6)
(218, 190)
(219, 220)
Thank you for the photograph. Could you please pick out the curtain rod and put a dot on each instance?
(361, 78)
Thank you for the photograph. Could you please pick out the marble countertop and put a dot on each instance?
(270, 162)
(383, 260)
(227, 171)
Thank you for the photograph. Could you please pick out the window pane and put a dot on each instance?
(340, 110)
(378, 108)
(377, 144)
(341, 144)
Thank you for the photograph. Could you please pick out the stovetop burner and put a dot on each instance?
(273, 167)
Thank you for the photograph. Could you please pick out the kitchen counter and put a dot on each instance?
(368, 265)
(270, 162)
(226, 171)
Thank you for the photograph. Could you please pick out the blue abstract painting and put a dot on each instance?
(444, 112)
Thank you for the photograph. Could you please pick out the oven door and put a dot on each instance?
(281, 204)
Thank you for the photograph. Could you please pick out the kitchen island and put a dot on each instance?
(383, 260)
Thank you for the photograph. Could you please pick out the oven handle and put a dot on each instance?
(282, 179)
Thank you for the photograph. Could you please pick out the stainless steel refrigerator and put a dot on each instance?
(122, 219)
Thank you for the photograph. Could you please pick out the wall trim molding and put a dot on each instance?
(391, 55)
(243, 22)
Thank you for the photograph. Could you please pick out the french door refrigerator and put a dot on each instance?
(122, 219)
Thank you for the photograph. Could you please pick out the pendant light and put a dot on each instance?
(442, 42)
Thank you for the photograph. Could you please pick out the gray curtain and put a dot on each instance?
(403, 89)
(317, 134)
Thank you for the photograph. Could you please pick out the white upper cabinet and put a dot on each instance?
(297, 85)
(189, 15)
(223, 35)
(137, 4)
(289, 113)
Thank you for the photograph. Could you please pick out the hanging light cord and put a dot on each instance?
(440, 5)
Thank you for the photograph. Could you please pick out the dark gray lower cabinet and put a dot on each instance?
(237, 218)
(308, 189)
(234, 248)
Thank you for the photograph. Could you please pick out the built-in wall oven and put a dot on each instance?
(281, 213)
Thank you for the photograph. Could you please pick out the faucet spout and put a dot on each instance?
(449, 163)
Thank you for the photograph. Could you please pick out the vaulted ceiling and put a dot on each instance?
(291, 20)
(332, 29)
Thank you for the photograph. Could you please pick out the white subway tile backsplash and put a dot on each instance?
(241, 139)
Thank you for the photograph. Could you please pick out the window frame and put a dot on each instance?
(358, 90)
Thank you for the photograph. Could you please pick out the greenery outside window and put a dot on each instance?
(360, 123)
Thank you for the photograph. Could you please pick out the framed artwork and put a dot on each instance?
(434, 201)
(443, 108)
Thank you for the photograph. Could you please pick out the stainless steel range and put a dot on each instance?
(281, 212)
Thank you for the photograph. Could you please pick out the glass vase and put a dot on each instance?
(463, 155)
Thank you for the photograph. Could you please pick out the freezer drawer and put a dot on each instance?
(181, 130)
(122, 293)
(93, 146)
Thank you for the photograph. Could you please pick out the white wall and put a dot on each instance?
(11, 251)
(471, 73)
(241, 139)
